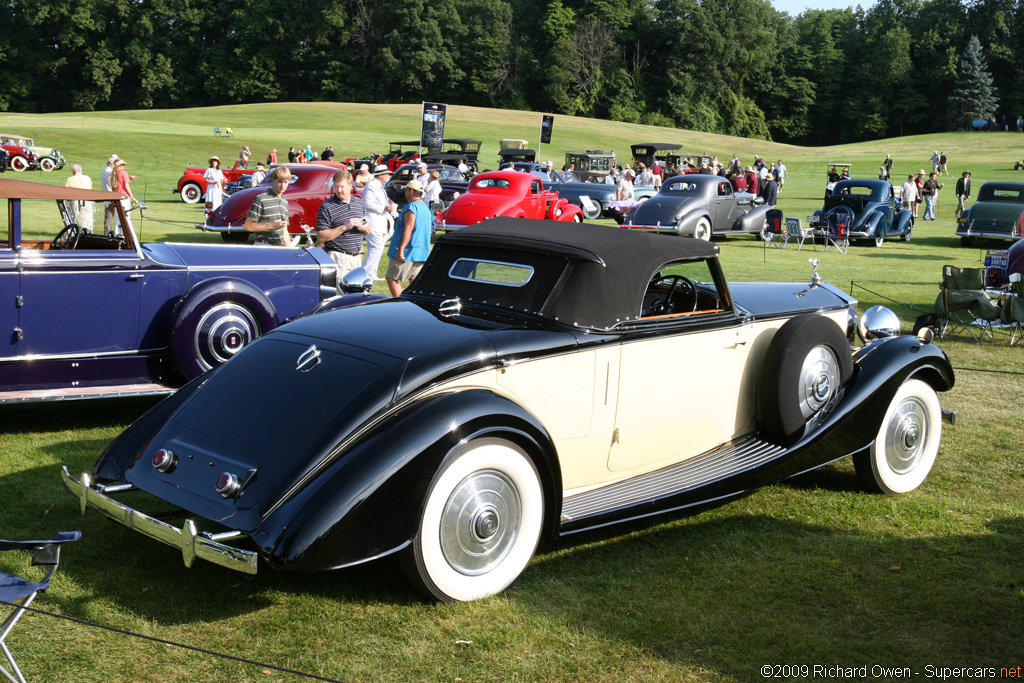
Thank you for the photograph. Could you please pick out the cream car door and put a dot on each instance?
(681, 395)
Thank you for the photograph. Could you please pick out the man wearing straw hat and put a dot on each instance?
(378, 206)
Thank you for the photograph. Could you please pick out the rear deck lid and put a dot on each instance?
(268, 401)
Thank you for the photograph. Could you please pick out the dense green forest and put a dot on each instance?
(737, 67)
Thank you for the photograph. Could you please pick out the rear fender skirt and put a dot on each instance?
(689, 222)
(873, 225)
(753, 220)
(903, 219)
(368, 503)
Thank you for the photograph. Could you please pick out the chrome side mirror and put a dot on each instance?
(355, 281)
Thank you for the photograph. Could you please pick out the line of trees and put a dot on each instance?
(737, 67)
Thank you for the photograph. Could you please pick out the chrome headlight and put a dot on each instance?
(878, 322)
(355, 281)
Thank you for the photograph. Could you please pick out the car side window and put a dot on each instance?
(724, 189)
(680, 290)
(535, 187)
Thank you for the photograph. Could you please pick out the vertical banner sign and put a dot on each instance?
(546, 124)
(432, 128)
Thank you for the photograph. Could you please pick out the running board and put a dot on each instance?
(78, 393)
(735, 456)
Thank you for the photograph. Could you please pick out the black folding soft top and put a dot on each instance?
(590, 276)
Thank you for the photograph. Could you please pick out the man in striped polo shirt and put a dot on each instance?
(340, 225)
(268, 215)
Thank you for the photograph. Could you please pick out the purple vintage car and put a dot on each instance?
(97, 315)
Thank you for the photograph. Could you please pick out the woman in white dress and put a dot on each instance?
(214, 178)
(433, 190)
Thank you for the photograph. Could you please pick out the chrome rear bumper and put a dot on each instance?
(193, 544)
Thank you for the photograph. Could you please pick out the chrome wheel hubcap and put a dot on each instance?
(904, 436)
(480, 522)
(819, 380)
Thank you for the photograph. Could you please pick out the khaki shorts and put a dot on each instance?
(403, 272)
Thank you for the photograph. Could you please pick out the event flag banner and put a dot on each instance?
(546, 124)
(432, 129)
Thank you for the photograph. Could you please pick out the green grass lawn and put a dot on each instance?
(810, 571)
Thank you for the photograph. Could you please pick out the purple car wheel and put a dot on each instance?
(215, 324)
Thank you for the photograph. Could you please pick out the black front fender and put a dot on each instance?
(367, 504)
(880, 368)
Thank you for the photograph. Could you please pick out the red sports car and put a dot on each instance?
(309, 187)
(507, 193)
(192, 185)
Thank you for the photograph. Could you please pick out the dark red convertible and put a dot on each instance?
(309, 187)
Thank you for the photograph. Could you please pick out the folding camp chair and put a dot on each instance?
(1013, 308)
(14, 588)
(774, 231)
(962, 303)
(796, 231)
(836, 229)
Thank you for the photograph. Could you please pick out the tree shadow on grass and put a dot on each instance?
(729, 595)
(713, 589)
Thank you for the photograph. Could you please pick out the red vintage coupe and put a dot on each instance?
(192, 185)
(507, 193)
(310, 186)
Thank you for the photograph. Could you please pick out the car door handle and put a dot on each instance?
(136, 276)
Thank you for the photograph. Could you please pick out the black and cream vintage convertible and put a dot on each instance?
(534, 381)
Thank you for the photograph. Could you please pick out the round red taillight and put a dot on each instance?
(227, 485)
(164, 460)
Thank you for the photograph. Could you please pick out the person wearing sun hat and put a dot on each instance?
(123, 183)
(410, 245)
(378, 206)
(214, 178)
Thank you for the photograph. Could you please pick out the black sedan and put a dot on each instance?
(511, 394)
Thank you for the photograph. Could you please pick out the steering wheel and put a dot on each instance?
(666, 306)
(67, 238)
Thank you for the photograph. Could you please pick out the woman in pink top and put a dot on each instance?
(123, 184)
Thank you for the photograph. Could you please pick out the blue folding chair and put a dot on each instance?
(14, 588)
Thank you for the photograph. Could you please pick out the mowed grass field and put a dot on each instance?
(812, 571)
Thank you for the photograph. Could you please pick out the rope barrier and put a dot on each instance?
(994, 372)
(892, 301)
(172, 643)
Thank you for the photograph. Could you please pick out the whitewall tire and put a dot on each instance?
(481, 523)
(702, 230)
(904, 449)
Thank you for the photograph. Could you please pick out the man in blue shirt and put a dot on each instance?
(410, 245)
